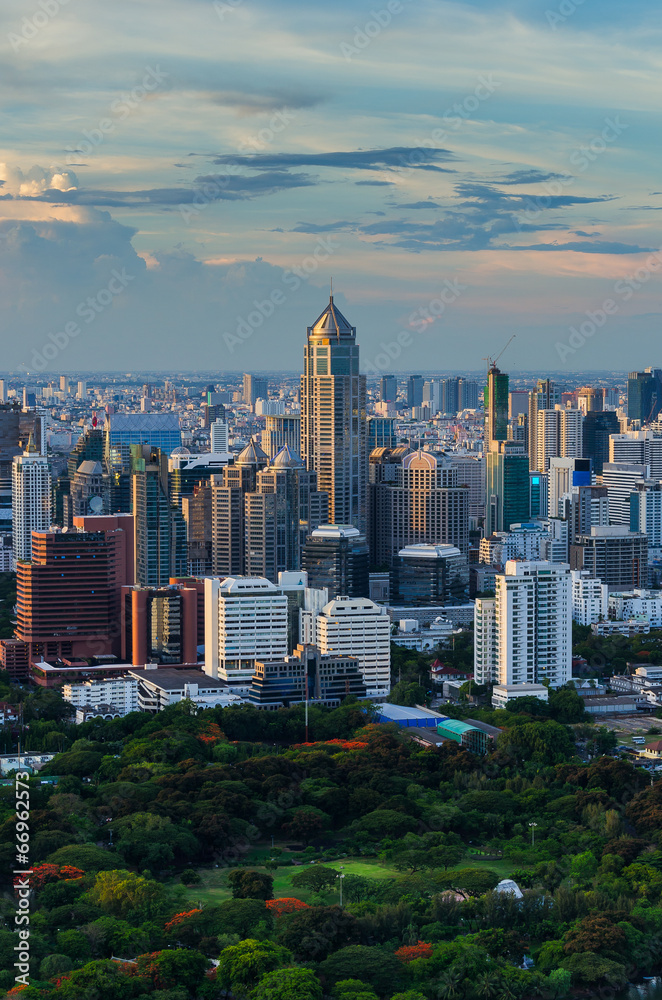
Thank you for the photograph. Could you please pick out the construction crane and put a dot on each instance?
(491, 362)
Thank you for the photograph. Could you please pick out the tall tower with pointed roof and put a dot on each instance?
(334, 441)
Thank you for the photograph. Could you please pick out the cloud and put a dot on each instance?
(395, 158)
(373, 183)
(207, 189)
(36, 181)
(419, 204)
(247, 103)
(529, 176)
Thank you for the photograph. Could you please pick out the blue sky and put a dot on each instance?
(219, 155)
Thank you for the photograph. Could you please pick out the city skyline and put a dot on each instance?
(191, 187)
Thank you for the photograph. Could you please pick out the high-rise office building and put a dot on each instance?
(414, 391)
(471, 473)
(197, 514)
(245, 622)
(280, 514)
(81, 390)
(219, 437)
(597, 428)
(122, 430)
(430, 574)
(381, 433)
(333, 418)
(388, 388)
(496, 408)
(523, 635)
(89, 493)
(562, 475)
(283, 429)
(638, 448)
(228, 510)
(31, 500)
(185, 471)
(159, 625)
(360, 628)
(613, 554)
(646, 511)
(255, 387)
(507, 486)
(432, 396)
(336, 558)
(584, 507)
(546, 396)
(64, 384)
(644, 395)
(416, 498)
(621, 479)
(68, 594)
(538, 494)
(518, 403)
(468, 394)
(160, 527)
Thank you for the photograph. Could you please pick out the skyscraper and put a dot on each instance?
(245, 621)
(414, 390)
(219, 437)
(545, 396)
(333, 417)
(416, 498)
(255, 387)
(496, 408)
(279, 430)
(507, 486)
(644, 395)
(160, 527)
(388, 388)
(524, 633)
(31, 499)
(336, 559)
(597, 427)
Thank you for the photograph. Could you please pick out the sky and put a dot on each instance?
(180, 181)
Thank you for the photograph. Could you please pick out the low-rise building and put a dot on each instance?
(306, 676)
(503, 693)
(633, 626)
(637, 604)
(477, 737)
(410, 635)
(118, 694)
(158, 688)
(626, 704)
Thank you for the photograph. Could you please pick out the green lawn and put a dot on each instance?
(214, 889)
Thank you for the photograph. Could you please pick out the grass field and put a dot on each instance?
(214, 888)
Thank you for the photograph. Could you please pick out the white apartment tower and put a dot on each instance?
(590, 598)
(356, 626)
(558, 435)
(31, 499)
(523, 635)
(219, 437)
(334, 441)
(245, 621)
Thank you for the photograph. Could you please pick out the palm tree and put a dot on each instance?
(448, 986)
(487, 985)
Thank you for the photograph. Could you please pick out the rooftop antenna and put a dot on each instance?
(331, 289)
